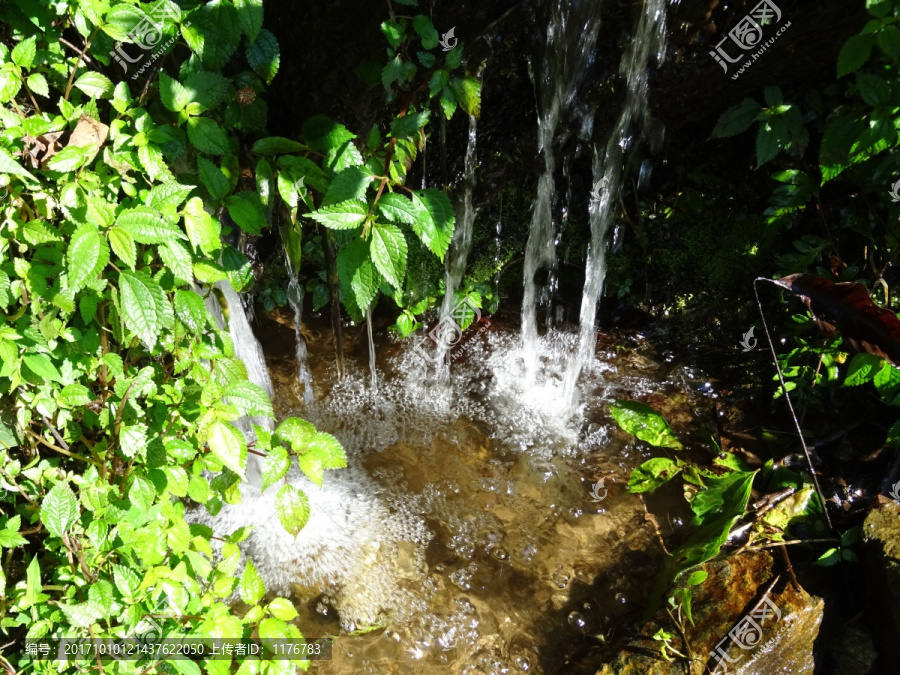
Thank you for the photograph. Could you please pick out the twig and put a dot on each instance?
(55, 433)
(65, 42)
(78, 62)
(791, 542)
(787, 397)
(687, 645)
(790, 568)
(73, 455)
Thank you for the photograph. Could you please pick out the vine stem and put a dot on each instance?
(73, 455)
(787, 397)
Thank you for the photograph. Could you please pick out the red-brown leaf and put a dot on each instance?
(848, 308)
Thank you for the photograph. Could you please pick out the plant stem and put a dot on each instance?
(78, 62)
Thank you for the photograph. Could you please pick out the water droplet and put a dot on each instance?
(522, 663)
(621, 599)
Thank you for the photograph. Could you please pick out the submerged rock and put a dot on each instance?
(881, 534)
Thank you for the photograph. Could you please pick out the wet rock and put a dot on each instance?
(881, 534)
(734, 589)
(853, 650)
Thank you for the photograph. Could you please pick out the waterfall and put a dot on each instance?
(571, 35)
(373, 376)
(455, 264)
(248, 350)
(295, 299)
(608, 173)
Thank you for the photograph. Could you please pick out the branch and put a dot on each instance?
(78, 62)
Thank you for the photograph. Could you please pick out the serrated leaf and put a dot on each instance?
(172, 93)
(644, 422)
(247, 212)
(38, 84)
(736, 120)
(305, 169)
(68, 159)
(213, 179)
(349, 184)
(209, 272)
(207, 136)
(146, 309)
(148, 226)
(95, 85)
(249, 399)
(292, 507)
(435, 220)
(250, 16)
(11, 166)
(23, 53)
(324, 134)
(123, 245)
(854, 54)
(312, 468)
(59, 509)
(205, 90)
(252, 587)
(282, 609)
(862, 369)
(191, 311)
(73, 395)
(238, 268)
(10, 539)
(389, 250)
(409, 125)
(228, 444)
(341, 216)
(264, 55)
(357, 273)
(203, 230)
(275, 466)
(171, 193)
(889, 41)
(770, 139)
(37, 232)
(177, 259)
(873, 90)
(328, 449)
(154, 163)
(467, 91)
(652, 474)
(213, 34)
(86, 257)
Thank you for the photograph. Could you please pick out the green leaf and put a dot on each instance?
(154, 163)
(873, 90)
(409, 125)
(87, 256)
(249, 399)
(435, 225)
(250, 15)
(171, 193)
(736, 120)
(59, 509)
(889, 41)
(651, 474)
(145, 307)
(23, 53)
(207, 136)
(213, 33)
(203, 230)
(393, 32)
(42, 366)
(209, 272)
(863, 368)
(770, 139)
(213, 179)
(177, 259)
(296, 433)
(264, 56)
(205, 90)
(301, 167)
(341, 216)
(854, 54)
(227, 443)
(11, 539)
(275, 466)
(36, 232)
(878, 8)
(357, 273)
(38, 84)
(123, 245)
(349, 184)
(95, 85)
(68, 159)
(172, 93)
(252, 587)
(276, 145)
(724, 497)
(148, 226)
(423, 26)
(389, 253)
(238, 268)
(292, 507)
(312, 468)
(10, 166)
(644, 422)
(247, 212)
(398, 209)
(468, 94)
(191, 311)
(74, 395)
(283, 609)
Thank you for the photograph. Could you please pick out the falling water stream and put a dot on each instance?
(609, 174)
(463, 536)
(571, 35)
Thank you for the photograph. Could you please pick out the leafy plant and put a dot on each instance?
(124, 392)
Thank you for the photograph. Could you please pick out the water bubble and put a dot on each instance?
(621, 599)
(500, 554)
(522, 663)
(561, 578)
(576, 620)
